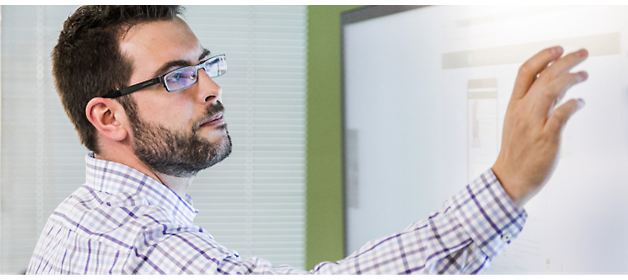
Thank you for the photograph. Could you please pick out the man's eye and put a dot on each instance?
(174, 77)
(180, 76)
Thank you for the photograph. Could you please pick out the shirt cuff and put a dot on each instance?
(488, 214)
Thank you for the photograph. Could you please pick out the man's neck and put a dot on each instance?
(179, 185)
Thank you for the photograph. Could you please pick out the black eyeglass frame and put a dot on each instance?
(160, 79)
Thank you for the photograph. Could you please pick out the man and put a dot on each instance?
(129, 80)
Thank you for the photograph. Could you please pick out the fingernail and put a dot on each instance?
(582, 53)
(557, 50)
(582, 75)
(580, 103)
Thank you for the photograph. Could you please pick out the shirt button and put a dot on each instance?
(506, 237)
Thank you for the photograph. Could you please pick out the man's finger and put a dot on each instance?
(563, 65)
(554, 92)
(529, 70)
(561, 115)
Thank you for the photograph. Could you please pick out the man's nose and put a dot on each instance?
(209, 91)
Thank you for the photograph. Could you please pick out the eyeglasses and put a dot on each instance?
(179, 79)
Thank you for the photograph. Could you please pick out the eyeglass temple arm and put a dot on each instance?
(133, 88)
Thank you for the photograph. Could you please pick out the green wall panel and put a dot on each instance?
(325, 229)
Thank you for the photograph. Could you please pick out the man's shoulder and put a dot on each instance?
(122, 229)
(117, 218)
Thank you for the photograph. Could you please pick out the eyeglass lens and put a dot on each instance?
(216, 67)
(187, 76)
(181, 78)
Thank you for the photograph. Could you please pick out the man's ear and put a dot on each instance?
(105, 114)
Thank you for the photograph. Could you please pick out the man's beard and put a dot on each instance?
(177, 153)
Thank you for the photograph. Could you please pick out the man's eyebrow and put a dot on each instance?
(172, 64)
(179, 63)
(206, 53)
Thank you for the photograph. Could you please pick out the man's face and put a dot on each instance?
(176, 133)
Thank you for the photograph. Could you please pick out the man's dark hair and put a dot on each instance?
(87, 61)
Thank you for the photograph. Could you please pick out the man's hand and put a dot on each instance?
(532, 127)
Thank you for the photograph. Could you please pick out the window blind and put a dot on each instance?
(253, 202)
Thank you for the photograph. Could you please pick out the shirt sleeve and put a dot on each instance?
(463, 237)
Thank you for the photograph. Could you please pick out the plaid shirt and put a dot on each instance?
(123, 222)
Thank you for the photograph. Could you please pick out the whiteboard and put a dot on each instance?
(425, 92)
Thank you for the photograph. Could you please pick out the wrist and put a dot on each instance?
(512, 189)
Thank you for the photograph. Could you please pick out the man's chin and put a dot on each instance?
(222, 149)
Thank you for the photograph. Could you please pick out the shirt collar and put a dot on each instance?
(113, 177)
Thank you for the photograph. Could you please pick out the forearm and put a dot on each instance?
(470, 230)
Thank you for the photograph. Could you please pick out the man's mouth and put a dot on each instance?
(215, 120)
